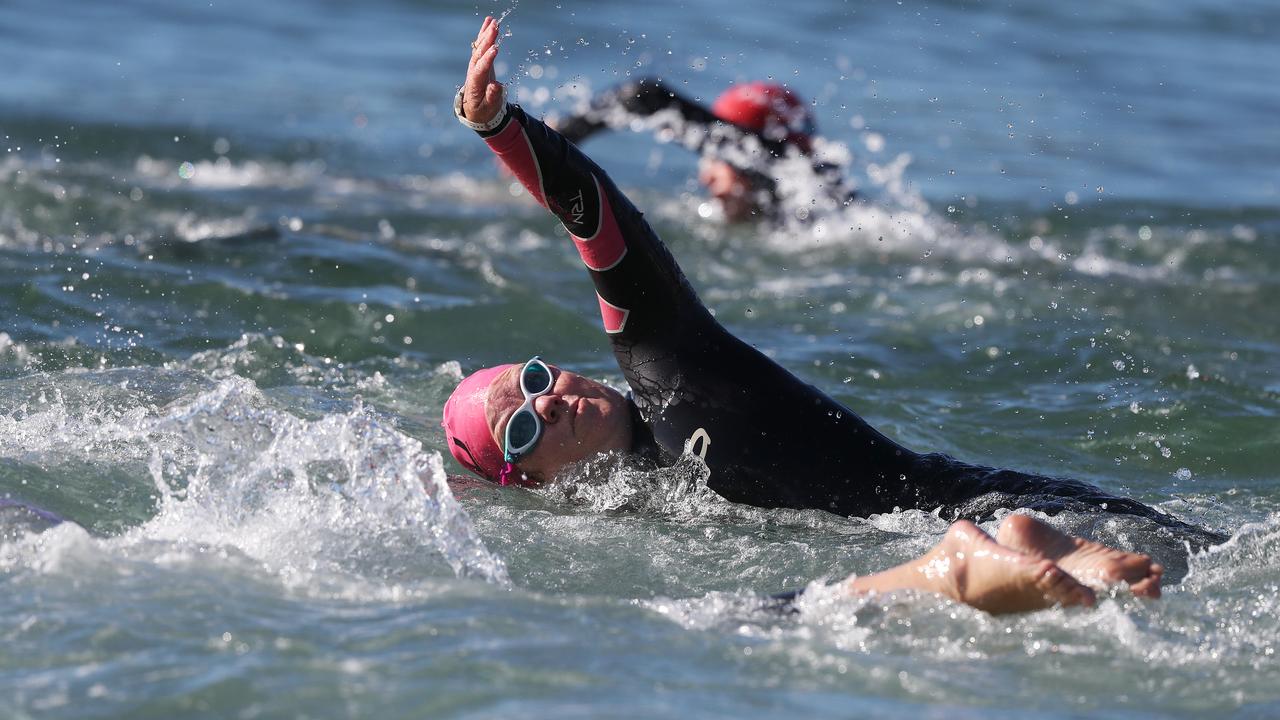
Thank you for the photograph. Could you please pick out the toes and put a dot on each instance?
(966, 527)
(963, 533)
(1149, 586)
(1138, 569)
(1013, 528)
(1146, 589)
(1060, 587)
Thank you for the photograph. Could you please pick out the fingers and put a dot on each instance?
(484, 28)
(485, 39)
(492, 94)
(484, 49)
(482, 68)
(481, 92)
(481, 88)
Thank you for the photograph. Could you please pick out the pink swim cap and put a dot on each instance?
(771, 110)
(466, 431)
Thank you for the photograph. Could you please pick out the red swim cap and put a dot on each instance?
(466, 431)
(771, 110)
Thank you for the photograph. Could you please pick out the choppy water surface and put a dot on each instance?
(245, 253)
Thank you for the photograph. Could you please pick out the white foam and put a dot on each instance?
(342, 503)
(11, 351)
(223, 174)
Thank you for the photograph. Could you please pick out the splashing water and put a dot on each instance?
(508, 11)
(319, 502)
(611, 484)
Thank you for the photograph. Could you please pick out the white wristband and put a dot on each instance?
(484, 126)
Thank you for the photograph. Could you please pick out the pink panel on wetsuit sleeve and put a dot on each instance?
(606, 248)
(615, 318)
(512, 146)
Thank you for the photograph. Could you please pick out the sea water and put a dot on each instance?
(246, 253)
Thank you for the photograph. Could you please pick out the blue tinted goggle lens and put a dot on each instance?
(525, 427)
(522, 429)
(536, 378)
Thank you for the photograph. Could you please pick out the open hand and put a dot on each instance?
(482, 93)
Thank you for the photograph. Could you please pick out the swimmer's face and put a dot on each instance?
(729, 186)
(581, 418)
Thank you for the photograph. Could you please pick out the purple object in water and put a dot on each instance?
(45, 515)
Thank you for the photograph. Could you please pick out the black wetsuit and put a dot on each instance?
(698, 129)
(769, 439)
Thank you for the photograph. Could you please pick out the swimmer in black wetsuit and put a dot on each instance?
(767, 438)
(741, 138)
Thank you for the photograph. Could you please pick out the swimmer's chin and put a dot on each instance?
(595, 469)
(606, 481)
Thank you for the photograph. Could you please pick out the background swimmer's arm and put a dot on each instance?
(616, 106)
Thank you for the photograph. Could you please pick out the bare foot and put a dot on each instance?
(999, 579)
(1091, 563)
(968, 566)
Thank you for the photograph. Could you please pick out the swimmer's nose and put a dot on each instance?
(550, 407)
(715, 184)
(721, 180)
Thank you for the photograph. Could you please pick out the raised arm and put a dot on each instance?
(640, 98)
(641, 290)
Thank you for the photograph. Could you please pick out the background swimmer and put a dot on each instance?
(741, 138)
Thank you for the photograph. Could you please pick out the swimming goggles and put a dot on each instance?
(524, 429)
